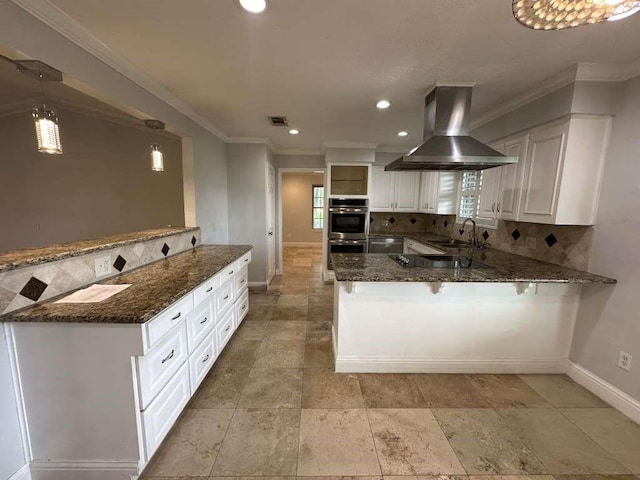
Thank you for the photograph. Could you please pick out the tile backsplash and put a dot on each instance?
(26, 286)
(566, 245)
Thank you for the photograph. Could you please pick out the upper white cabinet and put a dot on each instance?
(563, 171)
(438, 192)
(501, 186)
(394, 191)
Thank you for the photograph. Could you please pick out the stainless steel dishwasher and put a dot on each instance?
(386, 244)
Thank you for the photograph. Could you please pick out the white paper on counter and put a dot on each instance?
(93, 294)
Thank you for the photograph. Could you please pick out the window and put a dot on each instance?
(317, 209)
(470, 190)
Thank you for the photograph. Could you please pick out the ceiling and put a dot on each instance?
(325, 63)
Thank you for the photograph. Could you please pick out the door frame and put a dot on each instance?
(281, 171)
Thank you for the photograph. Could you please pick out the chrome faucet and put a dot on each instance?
(474, 239)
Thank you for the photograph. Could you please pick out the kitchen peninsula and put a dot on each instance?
(111, 378)
(515, 316)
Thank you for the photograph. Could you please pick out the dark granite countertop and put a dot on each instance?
(35, 256)
(506, 267)
(153, 288)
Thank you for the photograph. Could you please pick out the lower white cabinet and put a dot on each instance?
(158, 419)
(201, 360)
(112, 391)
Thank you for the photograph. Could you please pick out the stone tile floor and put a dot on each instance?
(273, 407)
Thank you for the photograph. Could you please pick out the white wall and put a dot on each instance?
(609, 318)
(246, 184)
(299, 161)
(297, 207)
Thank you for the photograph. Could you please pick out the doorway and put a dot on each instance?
(301, 209)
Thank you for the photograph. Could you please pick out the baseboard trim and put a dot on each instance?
(83, 469)
(401, 365)
(262, 285)
(23, 474)
(302, 244)
(607, 392)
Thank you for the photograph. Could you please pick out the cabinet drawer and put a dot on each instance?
(201, 361)
(158, 419)
(224, 297)
(241, 280)
(158, 366)
(199, 323)
(228, 272)
(242, 308)
(167, 319)
(244, 260)
(224, 330)
(206, 289)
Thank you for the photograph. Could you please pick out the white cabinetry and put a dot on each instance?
(501, 186)
(125, 381)
(394, 191)
(438, 191)
(563, 171)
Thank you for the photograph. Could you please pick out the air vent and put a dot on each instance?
(279, 121)
(154, 124)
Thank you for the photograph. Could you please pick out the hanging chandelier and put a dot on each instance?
(562, 14)
(157, 160)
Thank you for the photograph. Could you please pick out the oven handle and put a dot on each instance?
(347, 242)
(348, 210)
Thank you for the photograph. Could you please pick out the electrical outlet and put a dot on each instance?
(624, 361)
(103, 266)
(531, 242)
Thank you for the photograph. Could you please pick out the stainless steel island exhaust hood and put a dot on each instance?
(447, 144)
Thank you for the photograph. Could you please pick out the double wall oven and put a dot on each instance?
(348, 226)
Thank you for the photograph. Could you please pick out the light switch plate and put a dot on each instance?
(103, 266)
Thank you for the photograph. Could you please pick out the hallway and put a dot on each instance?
(272, 406)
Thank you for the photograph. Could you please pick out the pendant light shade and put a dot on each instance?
(47, 130)
(157, 162)
(561, 14)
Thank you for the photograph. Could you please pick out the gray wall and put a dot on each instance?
(101, 185)
(299, 161)
(246, 184)
(297, 207)
(608, 317)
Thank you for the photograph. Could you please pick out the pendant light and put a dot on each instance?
(562, 14)
(47, 130)
(45, 118)
(157, 161)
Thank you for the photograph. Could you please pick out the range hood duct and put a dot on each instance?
(447, 144)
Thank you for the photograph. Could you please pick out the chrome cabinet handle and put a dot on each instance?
(209, 289)
(228, 327)
(168, 357)
(493, 207)
(205, 358)
(226, 298)
(231, 272)
(246, 260)
(177, 316)
(243, 307)
(204, 321)
(499, 204)
(242, 281)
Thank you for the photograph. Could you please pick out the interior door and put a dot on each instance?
(271, 214)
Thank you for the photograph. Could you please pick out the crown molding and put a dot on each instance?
(254, 141)
(286, 151)
(598, 72)
(551, 84)
(393, 149)
(58, 20)
(341, 144)
(580, 72)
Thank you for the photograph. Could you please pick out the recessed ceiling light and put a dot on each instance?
(294, 131)
(254, 6)
(383, 104)
(403, 133)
